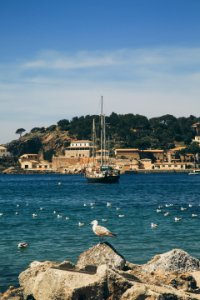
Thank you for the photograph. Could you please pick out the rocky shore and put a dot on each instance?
(101, 273)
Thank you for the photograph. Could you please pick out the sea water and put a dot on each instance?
(45, 211)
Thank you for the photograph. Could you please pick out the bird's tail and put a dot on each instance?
(112, 234)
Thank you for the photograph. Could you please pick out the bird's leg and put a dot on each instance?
(101, 240)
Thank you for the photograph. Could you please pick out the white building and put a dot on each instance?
(196, 126)
(33, 163)
(79, 149)
(4, 152)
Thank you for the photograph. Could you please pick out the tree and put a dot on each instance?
(20, 131)
(63, 124)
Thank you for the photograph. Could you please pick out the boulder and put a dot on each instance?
(55, 283)
(102, 273)
(101, 254)
(12, 293)
(175, 260)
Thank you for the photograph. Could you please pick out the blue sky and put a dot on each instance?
(58, 57)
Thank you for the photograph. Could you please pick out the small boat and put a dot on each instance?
(103, 172)
(195, 172)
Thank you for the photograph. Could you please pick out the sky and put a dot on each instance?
(58, 57)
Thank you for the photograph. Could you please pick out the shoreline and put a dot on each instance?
(101, 272)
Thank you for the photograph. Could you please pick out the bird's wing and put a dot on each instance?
(102, 231)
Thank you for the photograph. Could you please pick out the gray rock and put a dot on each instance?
(175, 260)
(53, 283)
(101, 254)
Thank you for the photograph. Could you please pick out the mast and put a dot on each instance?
(102, 130)
(93, 139)
(104, 138)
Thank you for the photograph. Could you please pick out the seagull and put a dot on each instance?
(1, 214)
(121, 216)
(166, 214)
(177, 219)
(194, 215)
(34, 215)
(154, 225)
(22, 245)
(108, 204)
(81, 224)
(183, 208)
(158, 210)
(100, 230)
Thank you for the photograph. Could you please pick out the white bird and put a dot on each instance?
(66, 218)
(81, 224)
(166, 214)
(34, 215)
(190, 205)
(154, 225)
(183, 208)
(59, 183)
(100, 230)
(158, 210)
(85, 204)
(16, 213)
(177, 219)
(194, 215)
(117, 208)
(41, 208)
(121, 216)
(22, 245)
(104, 220)
(54, 212)
(59, 216)
(108, 204)
(1, 214)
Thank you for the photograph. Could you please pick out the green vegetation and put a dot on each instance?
(138, 131)
(20, 131)
(128, 130)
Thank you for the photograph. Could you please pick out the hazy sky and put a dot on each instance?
(57, 57)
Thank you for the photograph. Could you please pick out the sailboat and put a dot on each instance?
(103, 172)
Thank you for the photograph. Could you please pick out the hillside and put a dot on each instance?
(41, 141)
(127, 130)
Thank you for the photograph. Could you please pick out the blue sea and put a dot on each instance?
(62, 201)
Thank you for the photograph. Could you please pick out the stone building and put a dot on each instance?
(4, 152)
(79, 149)
(32, 162)
(196, 126)
(130, 153)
